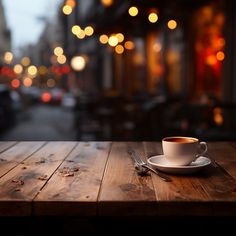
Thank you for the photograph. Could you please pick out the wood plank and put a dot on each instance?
(123, 191)
(224, 153)
(17, 153)
(20, 185)
(221, 183)
(5, 145)
(76, 194)
(183, 196)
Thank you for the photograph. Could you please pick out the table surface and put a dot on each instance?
(99, 179)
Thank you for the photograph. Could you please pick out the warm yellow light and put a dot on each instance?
(120, 37)
(129, 45)
(78, 63)
(18, 69)
(51, 83)
(43, 70)
(89, 30)
(61, 59)
(107, 3)
(113, 41)
(25, 61)
(172, 24)
(8, 57)
(133, 11)
(67, 10)
(75, 29)
(220, 56)
(27, 82)
(153, 17)
(119, 49)
(32, 70)
(103, 39)
(81, 34)
(58, 51)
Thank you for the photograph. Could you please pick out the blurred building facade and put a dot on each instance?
(5, 34)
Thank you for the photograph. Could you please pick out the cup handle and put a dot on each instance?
(202, 145)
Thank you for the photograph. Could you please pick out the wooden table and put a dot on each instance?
(99, 179)
(85, 187)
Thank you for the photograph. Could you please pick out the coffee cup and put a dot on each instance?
(182, 151)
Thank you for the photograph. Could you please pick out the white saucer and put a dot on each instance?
(161, 163)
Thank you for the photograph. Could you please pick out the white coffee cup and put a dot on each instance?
(182, 151)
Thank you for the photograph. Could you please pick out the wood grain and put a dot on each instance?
(76, 194)
(183, 196)
(21, 184)
(123, 191)
(99, 178)
(5, 145)
(17, 153)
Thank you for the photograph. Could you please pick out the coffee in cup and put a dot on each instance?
(182, 151)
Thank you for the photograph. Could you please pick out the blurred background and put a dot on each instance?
(117, 69)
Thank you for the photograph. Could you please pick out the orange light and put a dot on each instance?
(172, 24)
(218, 117)
(211, 60)
(129, 45)
(15, 83)
(89, 30)
(107, 3)
(46, 97)
(71, 3)
(103, 39)
(119, 49)
(220, 56)
(27, 82)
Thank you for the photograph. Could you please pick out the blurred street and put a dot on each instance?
(42, 123)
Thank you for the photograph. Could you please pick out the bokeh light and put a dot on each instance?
(18, 69)
(129, 45)
(220, 56)
(58, 51)
(172, 24)
(120, 37)
(67, 10)
(78, 63)
(25, 61)
(27, 82)
(61, 59)
(153, 17)
(15, 83)
(133, 11)
(107, 3)
(8, 57)
(103, 39)
(119, 49)
(113, 41)
(89, 30)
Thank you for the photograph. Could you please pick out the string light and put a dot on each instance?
(113, 41)
(103, 39)
(172, 24)
(133, 11)
(153, 17)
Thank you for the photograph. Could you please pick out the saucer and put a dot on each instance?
(161, 163)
